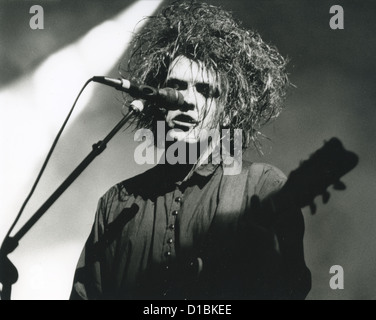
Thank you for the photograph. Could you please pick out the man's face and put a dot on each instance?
(199, 88)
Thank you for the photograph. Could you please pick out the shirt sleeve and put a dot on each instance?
(87, 283)
(292, 277)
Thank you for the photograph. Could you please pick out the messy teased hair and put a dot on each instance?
(252, 76)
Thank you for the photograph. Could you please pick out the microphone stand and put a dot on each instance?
(8, 272)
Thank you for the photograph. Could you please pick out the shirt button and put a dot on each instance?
(172, 227)
(168, 253)
(169, 241)
(179, 200)
(175, 212)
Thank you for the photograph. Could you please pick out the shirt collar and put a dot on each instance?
(199, 175)
(206, 170)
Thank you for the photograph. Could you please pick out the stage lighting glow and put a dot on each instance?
(32, 110)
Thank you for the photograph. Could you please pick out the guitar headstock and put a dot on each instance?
(324, 168)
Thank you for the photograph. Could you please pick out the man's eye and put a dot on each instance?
(177, 85)
(203, 89)
(174, 86)
(207, 91)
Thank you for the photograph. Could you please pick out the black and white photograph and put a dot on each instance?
(192, 150)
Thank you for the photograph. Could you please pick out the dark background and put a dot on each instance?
(334, 75)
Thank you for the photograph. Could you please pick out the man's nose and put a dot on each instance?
(190, 98)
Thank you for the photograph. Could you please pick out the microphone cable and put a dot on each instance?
(41, 171)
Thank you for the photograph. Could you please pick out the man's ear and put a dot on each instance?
(225, 123)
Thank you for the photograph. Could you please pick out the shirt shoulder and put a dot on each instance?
(264, 169)
(263, 178)
(259, 179)
(142, 184)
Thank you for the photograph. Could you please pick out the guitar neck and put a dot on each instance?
(274, 207)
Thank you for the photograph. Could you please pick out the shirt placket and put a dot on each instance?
(169, 243)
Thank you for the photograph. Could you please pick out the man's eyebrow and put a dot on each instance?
(175, 80)
(206, 84)
(178, 81)
(183, 83)
(210, 86)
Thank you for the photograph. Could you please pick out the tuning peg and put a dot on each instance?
(339, 185)
(325, 197)
(253, 214)
(255, 203)
(312, 207)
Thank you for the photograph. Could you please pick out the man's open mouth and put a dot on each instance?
(184, 122)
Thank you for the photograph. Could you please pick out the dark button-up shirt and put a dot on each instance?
(150, 240)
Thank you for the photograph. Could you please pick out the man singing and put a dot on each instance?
(185, 230)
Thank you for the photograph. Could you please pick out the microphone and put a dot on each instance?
(167, 96)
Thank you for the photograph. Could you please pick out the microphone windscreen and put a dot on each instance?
(171, 97)
(137, 105)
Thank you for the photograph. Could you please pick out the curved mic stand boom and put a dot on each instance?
(8, 272)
